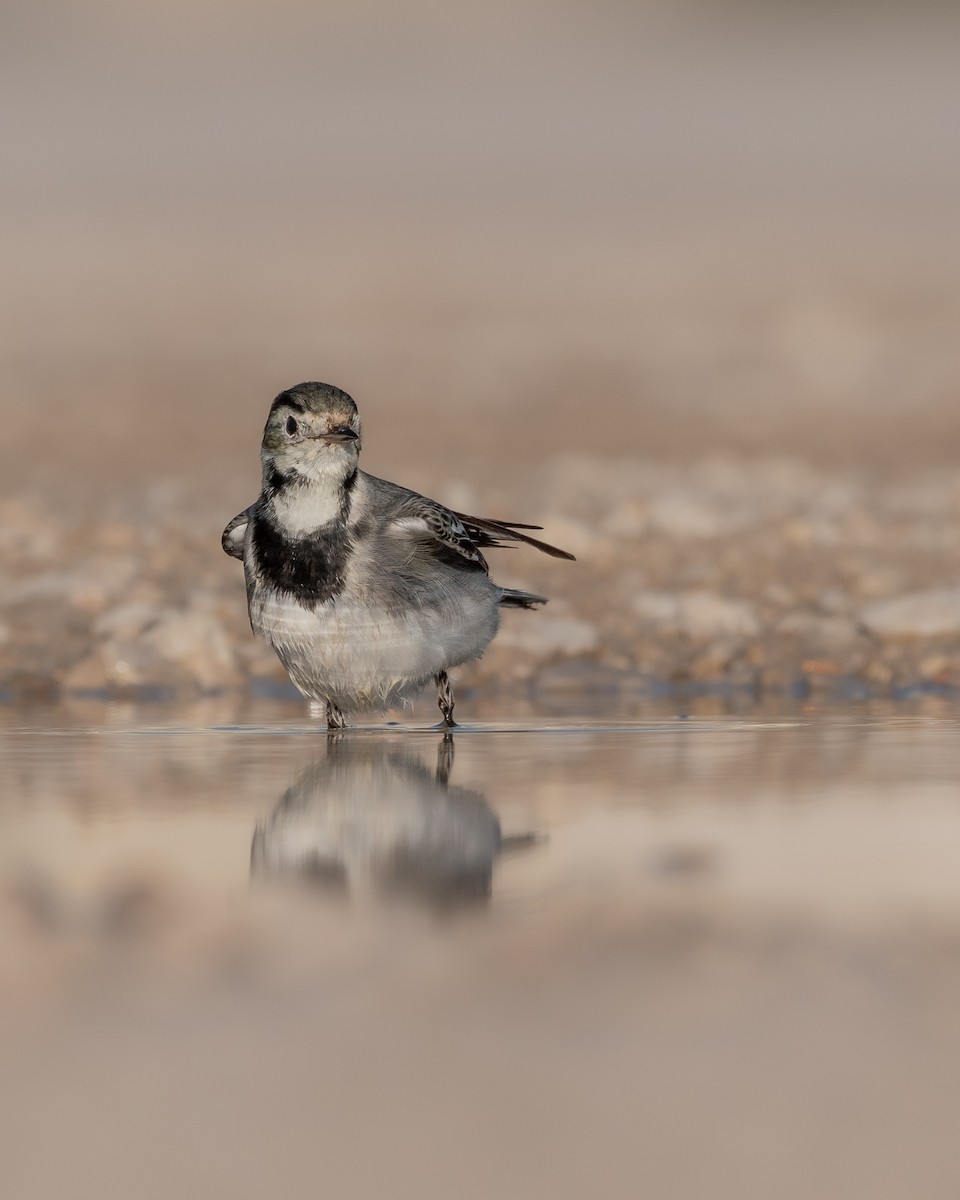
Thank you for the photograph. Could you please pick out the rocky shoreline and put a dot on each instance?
(764, 575)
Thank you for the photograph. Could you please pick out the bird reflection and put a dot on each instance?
(369, 819)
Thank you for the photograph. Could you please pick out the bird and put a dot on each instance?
(366, 590)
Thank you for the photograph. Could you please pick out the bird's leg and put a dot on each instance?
(445, 700)
(335, 720)
(445, 758)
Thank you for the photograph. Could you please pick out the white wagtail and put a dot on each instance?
(366, 590)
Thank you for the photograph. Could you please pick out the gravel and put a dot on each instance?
(762, 574)
(929, 614)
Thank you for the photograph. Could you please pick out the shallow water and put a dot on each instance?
(842, 813)
(527, 959)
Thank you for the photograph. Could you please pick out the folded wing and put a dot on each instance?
(464, 537)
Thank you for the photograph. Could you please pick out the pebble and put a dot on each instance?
(197, 644)
(545, 636)
(931, 613)
(576, 537)
(722, 570)
(817, 630)
(127, 620)
(584, 675)
(697, 614)
(627, 519)
(682, 514)
(716, 660)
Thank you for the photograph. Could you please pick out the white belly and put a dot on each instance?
(365, 658)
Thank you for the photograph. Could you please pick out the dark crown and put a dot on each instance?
(314, 398)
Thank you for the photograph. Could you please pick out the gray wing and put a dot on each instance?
(458, 534)
(449, 535)
(233, 536)
(439, 531)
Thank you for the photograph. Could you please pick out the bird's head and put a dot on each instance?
(313, 431)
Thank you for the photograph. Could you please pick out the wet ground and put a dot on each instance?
(702, 951)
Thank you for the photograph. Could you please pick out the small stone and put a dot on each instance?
(576, 537)
(779, 594)
(933, 613)
(87, 675)
(818, 630)
(27, 531)
(937, 667)
(584, 675)
(811, 531)
(821, 667)
(834, 601)
(182, 649)
(878, 672)
(682, 514)
(548, 636)
(880, 582)
(115, 535)
(88, 588)
(196, 643)
(35, 687)
(127, 620)
(628, 519)
(716, 660)
(697, 614)
(129, 663)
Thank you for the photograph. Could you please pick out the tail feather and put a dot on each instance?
(512, 598)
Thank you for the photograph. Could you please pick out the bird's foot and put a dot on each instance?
(445, 700)
(336, 722)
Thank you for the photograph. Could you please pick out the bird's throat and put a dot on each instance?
(300, 505)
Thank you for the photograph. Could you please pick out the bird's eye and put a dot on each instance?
(291, 426)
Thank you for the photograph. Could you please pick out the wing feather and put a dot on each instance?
(481, 529)
(232, 537)
(441, 529)
(463, 535)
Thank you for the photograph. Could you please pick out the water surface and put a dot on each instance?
(546, 957)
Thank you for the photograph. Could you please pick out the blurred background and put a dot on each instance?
(647, 229)
(679, 279)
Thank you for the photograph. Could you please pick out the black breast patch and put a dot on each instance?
(311, 569)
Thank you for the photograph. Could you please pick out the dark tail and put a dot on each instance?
(511, 598)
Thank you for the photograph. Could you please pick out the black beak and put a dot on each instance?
(342, 433)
